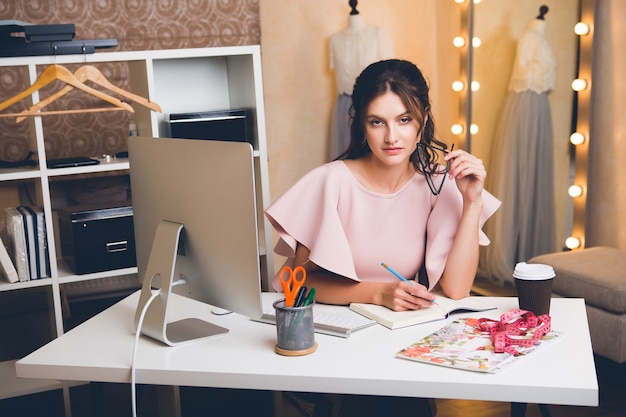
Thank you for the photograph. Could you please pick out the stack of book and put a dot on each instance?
(25, 257)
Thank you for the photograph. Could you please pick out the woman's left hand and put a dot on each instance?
(469, 173)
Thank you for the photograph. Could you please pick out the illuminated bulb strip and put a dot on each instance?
(577, 138)
(458, 86)
(575, 191)
(581, 29)
(458, 41)
(579, 84)
(573, 242)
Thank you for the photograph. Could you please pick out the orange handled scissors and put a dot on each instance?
(292, 280)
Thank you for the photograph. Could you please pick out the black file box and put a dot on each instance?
(96, 238)
(226, 125)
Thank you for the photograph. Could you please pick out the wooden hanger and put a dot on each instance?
(93, 74)
(58, 72)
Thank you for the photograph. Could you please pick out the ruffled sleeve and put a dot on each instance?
(315, 198)
(338, 220)
(444, 220)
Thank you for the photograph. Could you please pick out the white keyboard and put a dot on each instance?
(333, 323)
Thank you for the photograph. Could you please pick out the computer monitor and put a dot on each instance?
(195, 221)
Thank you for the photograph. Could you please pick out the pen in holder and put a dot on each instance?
(294, 329)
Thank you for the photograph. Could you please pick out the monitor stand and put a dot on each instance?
(162, 263)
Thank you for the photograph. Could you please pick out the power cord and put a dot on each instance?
(133, 389)
(133, 371)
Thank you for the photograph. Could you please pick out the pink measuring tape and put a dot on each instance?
(514, 329)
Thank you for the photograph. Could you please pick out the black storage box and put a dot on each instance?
(227, 125)
(96, 238)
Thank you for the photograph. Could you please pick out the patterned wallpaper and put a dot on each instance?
(137, 25)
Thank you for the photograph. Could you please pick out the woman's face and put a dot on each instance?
(390, 131)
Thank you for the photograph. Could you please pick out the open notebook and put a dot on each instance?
(441, 310)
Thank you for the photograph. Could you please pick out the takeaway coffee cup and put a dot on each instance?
(534, 287)
(295, 330)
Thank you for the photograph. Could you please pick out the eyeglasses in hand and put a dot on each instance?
(429, 155)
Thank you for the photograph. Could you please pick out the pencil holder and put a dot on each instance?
(295, 331)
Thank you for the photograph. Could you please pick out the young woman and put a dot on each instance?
(397, 195)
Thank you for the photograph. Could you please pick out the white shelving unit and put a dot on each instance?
(179, 80)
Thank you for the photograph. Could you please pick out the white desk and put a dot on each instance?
(101, 350)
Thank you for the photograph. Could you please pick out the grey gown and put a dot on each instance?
(521, 170)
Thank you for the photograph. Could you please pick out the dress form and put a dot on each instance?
(351, 50)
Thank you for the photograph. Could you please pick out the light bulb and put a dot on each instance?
(575, 191)
(581, 29)
(572, 242)
(476, 42)
(577, 138)
(458, 86)
(473, 129)
(456, 129)
(458, 41)
(579, 84)
(475, 86)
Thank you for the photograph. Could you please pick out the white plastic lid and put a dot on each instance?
(533, 271)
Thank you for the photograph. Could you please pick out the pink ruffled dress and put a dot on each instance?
(350, 229)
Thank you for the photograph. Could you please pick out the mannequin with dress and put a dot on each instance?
(522, 161)
(351, 50)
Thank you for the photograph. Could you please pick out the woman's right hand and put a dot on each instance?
(403, 296)
(333, 289)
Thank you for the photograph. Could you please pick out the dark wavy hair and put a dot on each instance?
(404, 79)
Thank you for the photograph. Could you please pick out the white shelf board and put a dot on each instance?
(118, 164)
(66, 275)
(131, 55)
(19, 173)
(10, 286)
